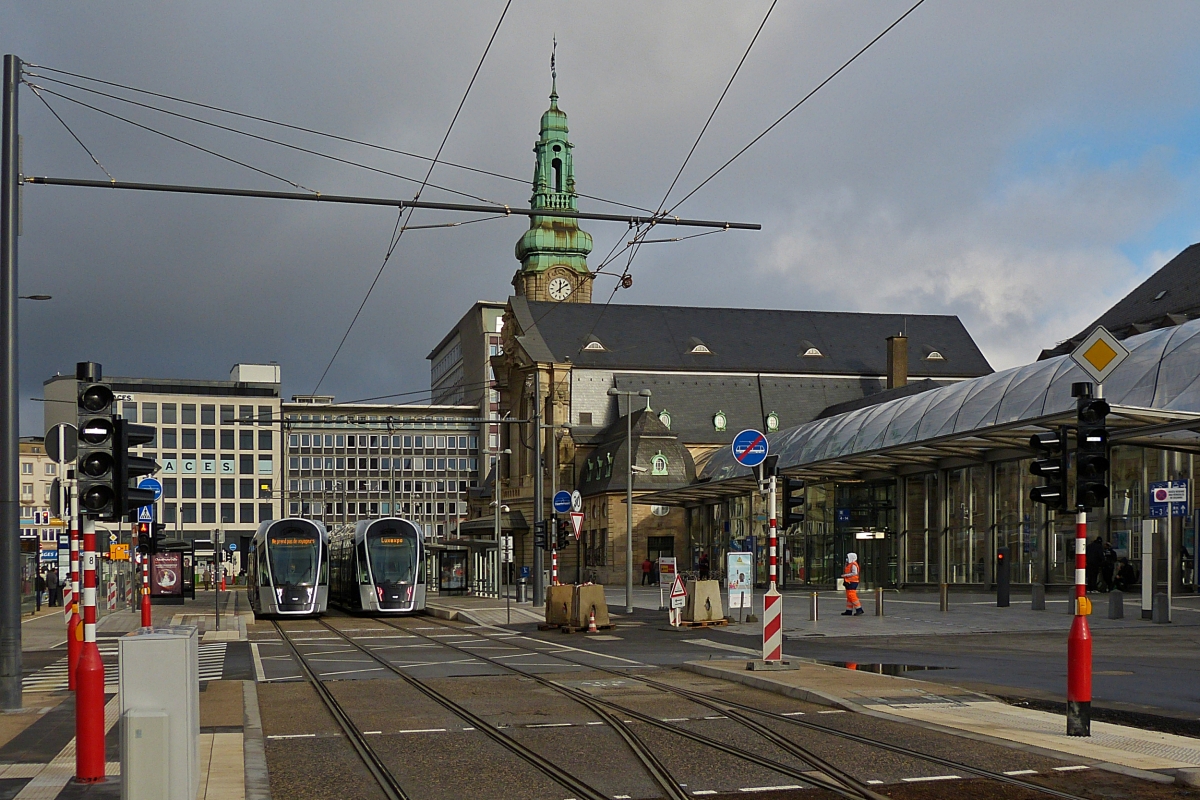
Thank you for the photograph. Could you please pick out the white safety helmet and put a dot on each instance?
(852, 556)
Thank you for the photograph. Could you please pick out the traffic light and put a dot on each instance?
(143, 542)
(96, 462)
(793, 502)
(128, 466)
(1091, 457)
(160, 535)
(562, 534)
(539, 535)
(1051, 465)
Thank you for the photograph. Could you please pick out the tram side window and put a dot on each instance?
(265, 573)
(363, 577)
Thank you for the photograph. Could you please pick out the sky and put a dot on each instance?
(1022, 165)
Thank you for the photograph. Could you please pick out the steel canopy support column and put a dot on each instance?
(10, 519)
(1079, 642)
(628, 502)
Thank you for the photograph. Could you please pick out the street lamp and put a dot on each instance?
(499, 542)
(629, 393)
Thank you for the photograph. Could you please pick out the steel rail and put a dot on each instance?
(387, 782)
(730, 705)
(317, 197)
(582, 697)
(551, 770)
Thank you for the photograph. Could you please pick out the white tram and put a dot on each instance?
(288, 570)
(377, 566)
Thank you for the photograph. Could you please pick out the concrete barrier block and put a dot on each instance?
(1160, 612)
(587, 597)
(703, 602)
(1116, 605)
(560, 604)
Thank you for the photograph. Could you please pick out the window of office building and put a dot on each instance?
(187, 413)
(265, 415)
(129, 411)
(246, 464)
(266, 440)
(226, 439)
(169, 487)
(246, 440)
(293, 440)
(169, 417)
(266, 512)
(227, 488)
(246, 488)
(169, 438)
(226, 415)
(168, 510)
(208, 439)
(189, 487)
(208, 513)
(208, 415)
(208, 488)
(246, 512)
(227, 513)
(149, 412)
(187, 513)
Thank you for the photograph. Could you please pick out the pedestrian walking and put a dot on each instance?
(39, 586)
(1108, 569)
(704, 566)
(647, 565)
(1095, 559)
(52, 587)
(850, 581)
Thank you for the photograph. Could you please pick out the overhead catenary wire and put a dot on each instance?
(397, 233)
(63, 122)
(182, 141)
(312, 131)
(261, 138)
(803, 100)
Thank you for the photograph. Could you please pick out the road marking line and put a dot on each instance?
(258, 665)
(1071, 769)
(284, 678)
(351, 671)
(551, 725)
(833, 711)
(874, 782)
(595, 723)
(372, 733)
(1021, 772)
(705, 791)
(293, 736)
(770, 788)
(792, 714)
(717, 716)
(674, 719)
(589, 652)
(468, 729)
(733, 648)
(933, 778)
(423, 730)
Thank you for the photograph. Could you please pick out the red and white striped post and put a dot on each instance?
(147, 619)
(89, 696)
(1079, 642)
(554, 553)
(71, 594)
(772, 600)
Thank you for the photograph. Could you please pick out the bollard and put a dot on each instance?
(944, 596)
(879, 601)
(1002, 577)
(1160, 612)
(1038, 600)
(1116, 605)
(1071, 605)
(813, 607)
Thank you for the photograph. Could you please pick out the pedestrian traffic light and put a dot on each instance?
(96, 462)
(1091, 458)
(1050, 465)
(143, 542)
(539, 535)
(562, 534)
(128, 499)
(793, 502)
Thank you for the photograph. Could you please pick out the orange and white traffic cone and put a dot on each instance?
(592, 621)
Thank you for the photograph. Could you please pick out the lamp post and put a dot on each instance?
(500, 542)
(629, 393)
(557, 432)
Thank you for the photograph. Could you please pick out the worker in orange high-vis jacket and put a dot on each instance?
(850, 581)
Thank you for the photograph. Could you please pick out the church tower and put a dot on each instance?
(553, 252)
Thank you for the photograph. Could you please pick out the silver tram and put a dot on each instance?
(288, 568)
(377, 566)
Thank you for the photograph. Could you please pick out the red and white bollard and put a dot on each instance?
(71, 609)
(147, 621)
(89, 676)
(554, 567)
(772, 600)
(1079, 642)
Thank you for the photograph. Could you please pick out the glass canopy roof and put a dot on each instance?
(1157, 387)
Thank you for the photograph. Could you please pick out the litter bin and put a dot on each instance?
(522, 590)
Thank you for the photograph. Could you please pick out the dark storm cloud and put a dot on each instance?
(978, 154)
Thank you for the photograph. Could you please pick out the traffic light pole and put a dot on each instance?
(10, 510)
(539, 585)
(1079, 642)
(74, 624)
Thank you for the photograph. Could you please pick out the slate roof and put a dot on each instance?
(1167, 298)
(661, 338)
(603, 469)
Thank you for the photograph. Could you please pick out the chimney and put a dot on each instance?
(897, 361)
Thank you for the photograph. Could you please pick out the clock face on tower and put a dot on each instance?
(559, 288)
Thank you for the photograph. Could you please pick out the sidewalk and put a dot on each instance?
(37, 744)
(485, 610)
(1149, 754)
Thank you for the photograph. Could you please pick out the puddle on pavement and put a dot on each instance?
(883, 669)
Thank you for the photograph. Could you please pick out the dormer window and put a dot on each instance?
(932, 354)
(594, 345)
(809, 350)
(699, 348)
(1159, 296)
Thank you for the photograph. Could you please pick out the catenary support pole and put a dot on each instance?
(89, 697)
(74, 623)
(628, 502)
(772, 600)
(1079, 642)
(10, 519)
(539, 584)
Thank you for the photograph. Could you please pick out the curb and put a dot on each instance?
(254, 753)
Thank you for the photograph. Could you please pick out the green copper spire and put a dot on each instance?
(553, 241)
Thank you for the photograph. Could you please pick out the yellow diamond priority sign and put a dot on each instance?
(1099, 354)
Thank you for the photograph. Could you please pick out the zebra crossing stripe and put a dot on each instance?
(53, 677)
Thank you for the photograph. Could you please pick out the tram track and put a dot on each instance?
(738, 712)
(833, 778)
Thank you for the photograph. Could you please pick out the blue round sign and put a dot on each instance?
(153, 485)
(232, 546)
(750, 447)
(562, 502)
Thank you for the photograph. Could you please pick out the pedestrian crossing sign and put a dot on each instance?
(146, 514)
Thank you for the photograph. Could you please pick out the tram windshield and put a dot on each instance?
(294, 551)
(393, 553)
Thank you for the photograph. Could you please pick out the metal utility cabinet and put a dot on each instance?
(160, 713)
